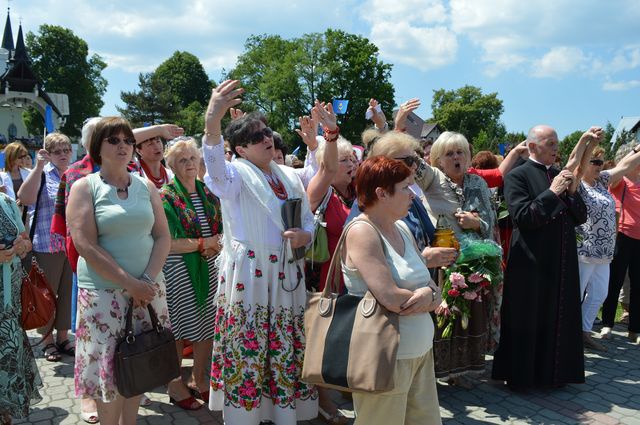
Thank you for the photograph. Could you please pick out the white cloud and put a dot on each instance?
(558, 62)
(412, 32)
(620, 85)
(128, 63)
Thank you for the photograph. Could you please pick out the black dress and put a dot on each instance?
(541, 335)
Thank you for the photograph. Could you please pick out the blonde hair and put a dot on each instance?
(177, 146)
(344, 146)
(449, 140)
(54, 140)
(11, 154)
(370, 135)
(392, 143)
(598, 151)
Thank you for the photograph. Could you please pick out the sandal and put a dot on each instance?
(187, 403)
(63, 347)
(90, 417)
(337, 417)
(51, 353)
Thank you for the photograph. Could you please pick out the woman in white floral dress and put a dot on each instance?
(259, 333)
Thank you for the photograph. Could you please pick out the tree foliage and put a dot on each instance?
(175, 92)
(61, 60)
(469, 112)
(282, 78)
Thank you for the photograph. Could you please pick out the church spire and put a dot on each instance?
(20, 53)
(7, 38)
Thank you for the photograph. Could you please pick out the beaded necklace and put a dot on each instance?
(277, 186)
(157, 181)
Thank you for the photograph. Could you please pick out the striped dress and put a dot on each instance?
(186, 321)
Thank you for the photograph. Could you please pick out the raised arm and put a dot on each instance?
(320, 183)
(28, 193)
(403, 112)
(166, 131)
(627, 164)
(519, 151)
(377, 116)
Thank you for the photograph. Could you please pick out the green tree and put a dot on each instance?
(567, 144)
(282, 78)
(468, 111)
(177, 88)
(61, 60)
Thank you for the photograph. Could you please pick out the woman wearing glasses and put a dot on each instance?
(258, 332)
(17, 164)
(597, 242)
(39, 192)
(119, 228)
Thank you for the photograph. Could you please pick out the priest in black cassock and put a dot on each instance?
(541, 333)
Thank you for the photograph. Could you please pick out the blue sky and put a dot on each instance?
(569, 64)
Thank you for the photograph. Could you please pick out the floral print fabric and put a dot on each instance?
(19, 378)
(101, 324)
(259, 338)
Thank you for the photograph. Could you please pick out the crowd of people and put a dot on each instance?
(196, 229)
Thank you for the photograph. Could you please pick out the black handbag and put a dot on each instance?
(145, 361)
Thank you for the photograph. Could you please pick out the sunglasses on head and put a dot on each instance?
(597, 162)
(258, 136)
(409, 160)
(113, 140)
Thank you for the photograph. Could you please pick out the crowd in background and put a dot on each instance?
(194, 228)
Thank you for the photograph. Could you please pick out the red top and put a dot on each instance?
(493, 177)
(335, 215)
(630, 215)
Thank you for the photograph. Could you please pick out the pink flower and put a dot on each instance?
(275, 345)
(251, 345)
(470, 295)
(485, 283)
(476, 278)
(250, 334)
(457, 280)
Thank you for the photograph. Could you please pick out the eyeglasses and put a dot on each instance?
(113, 140)
(597, 162)
(64, 151)
(258, 136)
(409, 160)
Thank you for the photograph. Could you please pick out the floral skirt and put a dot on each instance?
(101, 321)
(258, 345)
(19, 378)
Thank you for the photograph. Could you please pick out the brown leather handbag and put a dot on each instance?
(37, 297)
(145, 361)
(351, 341)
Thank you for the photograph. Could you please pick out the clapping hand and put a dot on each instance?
(405, 109)
(307, 131)
(562, 182)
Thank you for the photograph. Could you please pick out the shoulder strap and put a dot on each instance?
(34, 222)
(325, 201)
(332, 283)
(405, 229)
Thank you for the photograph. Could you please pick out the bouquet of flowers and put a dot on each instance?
(478, 267)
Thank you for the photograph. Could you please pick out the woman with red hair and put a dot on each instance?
(381, 257)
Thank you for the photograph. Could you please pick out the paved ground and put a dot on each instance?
(610, 396)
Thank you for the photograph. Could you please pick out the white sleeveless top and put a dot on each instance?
(408, 272)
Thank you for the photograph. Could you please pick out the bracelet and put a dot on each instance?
(208, 134)
(328, 133)
(200, 244)
(336, 131)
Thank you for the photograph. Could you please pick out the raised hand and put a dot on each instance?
(406, 108)
(170, 131)
(377, 117)
(236, 113)
(308, 131)
(42, 158)
(223, 97)
(323, 114)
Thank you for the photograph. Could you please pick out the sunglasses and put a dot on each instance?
(409, 160)
(258, 136)
(60, 152)
(113, 140)
(597, 162)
